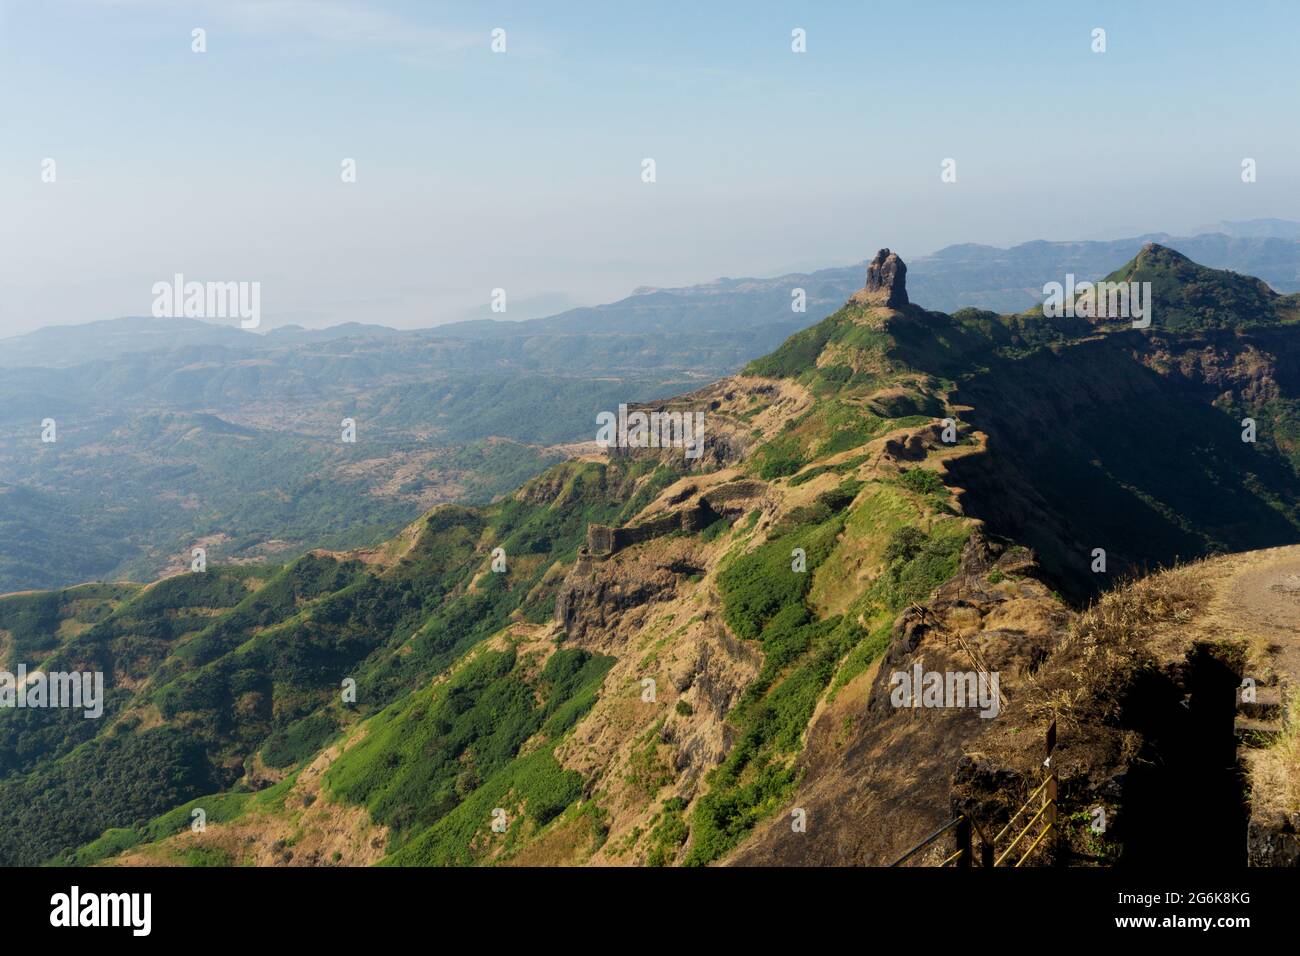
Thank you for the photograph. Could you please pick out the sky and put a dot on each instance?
(523, 170)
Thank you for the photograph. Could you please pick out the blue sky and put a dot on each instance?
(522, 170)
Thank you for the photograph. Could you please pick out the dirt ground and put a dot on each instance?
(1257, 594)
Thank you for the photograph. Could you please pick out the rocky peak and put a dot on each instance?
(886, 281)
(1153, 253)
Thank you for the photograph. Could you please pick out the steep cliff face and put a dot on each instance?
(601, 585)
(646, 656)
(737, 600)
(1122, 441)
(1174, 700)
(886, 282)
(1133, 443)
(876, 774)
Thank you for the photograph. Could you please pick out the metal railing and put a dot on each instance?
(964, 830)
(1046, 813)
(962, 845)
(965, 827)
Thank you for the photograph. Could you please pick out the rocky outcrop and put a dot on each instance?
(868, 759)
(601, 600)
(726, 501)
(914, 444)
(1273, 839)
(711, 675)
(592, 595)
(1223, 364)
(1160, 757)
(886, 282)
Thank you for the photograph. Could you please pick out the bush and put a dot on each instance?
(904, 544)
(780, 457)
(299, 741)
(921, 482)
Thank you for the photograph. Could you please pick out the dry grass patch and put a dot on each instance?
(1128, 630)
(1275, 772)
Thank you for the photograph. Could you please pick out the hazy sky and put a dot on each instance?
(522, 170)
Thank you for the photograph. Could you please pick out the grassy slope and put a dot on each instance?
(208, 669)
(440, 757)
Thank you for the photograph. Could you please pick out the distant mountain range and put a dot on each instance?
(1255, 229)
(61, 346)
(172, 431)
(893, 489)
(754, 313)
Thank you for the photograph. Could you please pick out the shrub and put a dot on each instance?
(780, 457)
(921, 481)
(904, 544)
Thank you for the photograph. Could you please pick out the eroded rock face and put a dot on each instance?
(730, 500)
(887, 279)
(711, 674)
(868, 759)
(602, 601)
(1273, 839)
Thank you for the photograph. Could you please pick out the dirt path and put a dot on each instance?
(1257, 596)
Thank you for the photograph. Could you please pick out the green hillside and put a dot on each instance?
(475, 700)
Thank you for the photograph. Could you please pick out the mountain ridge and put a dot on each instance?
(1272, 252)
(877, 468)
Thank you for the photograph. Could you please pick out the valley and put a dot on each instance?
(172, 432)
(684, 654)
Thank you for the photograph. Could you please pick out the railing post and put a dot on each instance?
(1049, 797)
(1054, 842)
(964, 841)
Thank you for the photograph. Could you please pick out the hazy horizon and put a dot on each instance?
(534, 309)
(522, 170)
